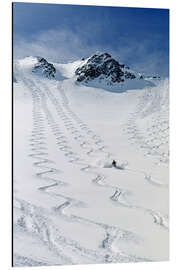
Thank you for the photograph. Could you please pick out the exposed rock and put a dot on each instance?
(129, 75)
(44, 67)
(103, 66)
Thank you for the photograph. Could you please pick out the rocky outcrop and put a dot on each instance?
(42, 66)
(103, 66)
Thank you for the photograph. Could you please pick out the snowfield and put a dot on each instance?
(70, 205)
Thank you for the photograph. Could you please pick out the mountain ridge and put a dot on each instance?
(100, 70)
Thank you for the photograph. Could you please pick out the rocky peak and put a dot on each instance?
(44, 67)
(103, 66)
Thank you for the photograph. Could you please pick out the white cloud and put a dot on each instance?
(65, 45)
(59, 45)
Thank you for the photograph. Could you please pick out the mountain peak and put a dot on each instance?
(103, 66)
(44, 67)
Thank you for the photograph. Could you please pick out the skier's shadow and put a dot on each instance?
(114, 167)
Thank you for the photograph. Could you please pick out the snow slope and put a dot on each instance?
(70, 205)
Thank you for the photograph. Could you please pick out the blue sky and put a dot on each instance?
(138, 37)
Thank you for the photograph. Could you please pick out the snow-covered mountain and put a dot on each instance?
(71, 206)
(103, 71)
(44, 67)
(104, 67)
(100, 70)
(101, 65)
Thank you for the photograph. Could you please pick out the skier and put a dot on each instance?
(114, 163)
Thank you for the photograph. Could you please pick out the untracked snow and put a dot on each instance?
(71, 206)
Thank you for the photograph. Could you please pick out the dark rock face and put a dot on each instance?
(46, 68)
(102, 65)
(129, 75)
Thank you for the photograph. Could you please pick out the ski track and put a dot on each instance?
(42, 226)
(68, 116)
(156, 136)
(99, 178)
(92, 145)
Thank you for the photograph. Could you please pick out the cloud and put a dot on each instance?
(59, 45)
(64, 45)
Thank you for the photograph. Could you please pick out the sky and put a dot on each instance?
(138, 37)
